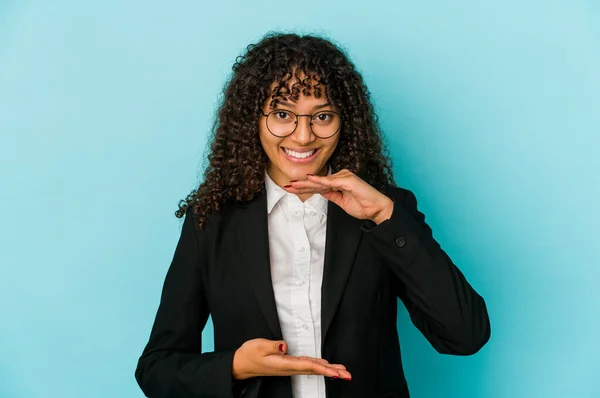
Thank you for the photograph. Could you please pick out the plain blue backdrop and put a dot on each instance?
(492, 113)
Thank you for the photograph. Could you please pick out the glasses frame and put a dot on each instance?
(296, 122)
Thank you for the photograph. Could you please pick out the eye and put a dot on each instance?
(282, 115)
(323, 117)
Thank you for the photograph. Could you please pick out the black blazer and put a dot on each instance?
(224, 271)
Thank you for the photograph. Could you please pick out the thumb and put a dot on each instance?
(278, 347)
(334, 196)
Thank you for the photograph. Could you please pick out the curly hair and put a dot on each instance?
(237, 161)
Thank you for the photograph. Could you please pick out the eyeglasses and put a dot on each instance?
(282, 123)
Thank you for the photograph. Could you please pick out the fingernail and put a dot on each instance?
(293, 180)
(334, 377)
(348, 379)
(281, 347)
(287, 186)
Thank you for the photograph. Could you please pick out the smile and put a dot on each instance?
(299, 155)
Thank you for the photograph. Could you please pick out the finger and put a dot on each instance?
(308, 190)
(335, 183)
(303, 187)
(339, 174)
(321, 369)
(337, 366)
(324, 362)
(319, 360)
(331, 371)
(305, 184)
(343, 373)
(310, 366)
(334, 196)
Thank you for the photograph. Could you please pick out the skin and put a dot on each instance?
(261, 357)
(281, 168)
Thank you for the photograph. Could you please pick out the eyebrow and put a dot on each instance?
(287, 103)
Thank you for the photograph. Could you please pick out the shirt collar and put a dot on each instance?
(318, 201)
(275, 193)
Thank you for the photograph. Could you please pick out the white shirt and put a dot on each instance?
(297, 251)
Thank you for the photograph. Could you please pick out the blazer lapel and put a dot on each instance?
(253, 237)
(341, 243)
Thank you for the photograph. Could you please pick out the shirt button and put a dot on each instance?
(305, 326)
(302, 249)
(312, 213)
(299, 283)
(309, 377)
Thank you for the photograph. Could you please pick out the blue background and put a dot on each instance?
(492, 112)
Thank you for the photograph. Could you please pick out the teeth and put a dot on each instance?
(299, 155)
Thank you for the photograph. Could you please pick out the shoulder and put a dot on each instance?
(399, 194)
(407, 200)
(192, 223)
(218, 223)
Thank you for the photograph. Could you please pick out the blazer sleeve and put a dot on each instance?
(441, 303)
(172, 363)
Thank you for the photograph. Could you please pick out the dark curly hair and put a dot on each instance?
(237, 161)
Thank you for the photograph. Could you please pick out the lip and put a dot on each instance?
(299, 149)
(300, 161)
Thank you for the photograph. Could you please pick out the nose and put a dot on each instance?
(303, 134)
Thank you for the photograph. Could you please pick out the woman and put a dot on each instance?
(298, 244)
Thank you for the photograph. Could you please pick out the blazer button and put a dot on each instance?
(400, 241)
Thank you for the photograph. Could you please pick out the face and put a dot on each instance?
(302, 152)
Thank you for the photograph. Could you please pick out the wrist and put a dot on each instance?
(236, 368)
(384, 213)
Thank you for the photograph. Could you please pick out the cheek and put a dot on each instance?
(268, 141)
(261, 132)
(263, 135)
(331, 146)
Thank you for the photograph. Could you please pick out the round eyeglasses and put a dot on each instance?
(324, 124)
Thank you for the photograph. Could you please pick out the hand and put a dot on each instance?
(261, 357)
(344, 188)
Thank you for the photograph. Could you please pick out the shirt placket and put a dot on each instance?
(301, 295)
(312, 220)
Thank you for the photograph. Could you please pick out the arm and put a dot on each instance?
(172, 363)
(441, 303)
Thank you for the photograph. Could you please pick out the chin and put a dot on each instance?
(308, 169)
(298, 173)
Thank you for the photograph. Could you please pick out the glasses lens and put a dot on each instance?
(325, 124)
(281, 123)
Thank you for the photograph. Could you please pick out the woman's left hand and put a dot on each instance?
(344, 188)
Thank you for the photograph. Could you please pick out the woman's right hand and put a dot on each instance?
(262, 357)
